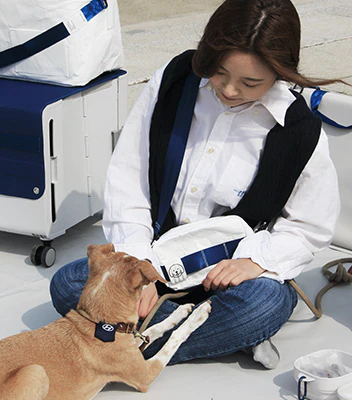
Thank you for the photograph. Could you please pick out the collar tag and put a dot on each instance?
(105, 332)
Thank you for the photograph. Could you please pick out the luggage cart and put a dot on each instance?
(55, 147)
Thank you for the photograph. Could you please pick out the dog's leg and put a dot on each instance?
(180, 335)
(29, 382)
(145, 372)
(157, 330)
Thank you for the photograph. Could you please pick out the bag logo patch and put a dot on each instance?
(176, 270)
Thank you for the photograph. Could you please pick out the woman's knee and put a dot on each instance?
(66, 285)
(263, 298)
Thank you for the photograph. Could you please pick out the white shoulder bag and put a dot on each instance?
(188, 252)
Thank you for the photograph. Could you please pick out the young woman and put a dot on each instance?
(253, 145)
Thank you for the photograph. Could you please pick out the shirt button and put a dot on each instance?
(194, 189)
(227, 113)
(256, 112)
(186, 220)
(209, 88)
(211, 150)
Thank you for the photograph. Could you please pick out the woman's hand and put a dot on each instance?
(231, 273)
(147, 300)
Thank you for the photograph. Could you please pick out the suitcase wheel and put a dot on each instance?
(44, 255)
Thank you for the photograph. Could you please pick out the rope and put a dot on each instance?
(317, 312)
(340, 276)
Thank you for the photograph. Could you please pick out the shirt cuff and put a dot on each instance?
(257, 247)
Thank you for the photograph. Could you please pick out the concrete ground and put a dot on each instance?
(154, 31)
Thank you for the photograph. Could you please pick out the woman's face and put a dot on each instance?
(241, 78)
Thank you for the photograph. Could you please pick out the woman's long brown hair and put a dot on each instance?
(270, 29)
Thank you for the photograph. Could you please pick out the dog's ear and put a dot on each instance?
(108, 248)
(105, 249)
(135, 279)
(149, 272)
(91, 248)
(143, 275)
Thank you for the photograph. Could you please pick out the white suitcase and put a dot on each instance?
(76, 146)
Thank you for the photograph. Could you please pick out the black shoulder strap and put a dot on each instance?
(286, 152)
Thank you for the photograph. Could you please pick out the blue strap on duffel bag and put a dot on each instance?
(50, 37)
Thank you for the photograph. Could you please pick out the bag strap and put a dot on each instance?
(176, 147)
(202, 259)
(315, 101)
(52, 35)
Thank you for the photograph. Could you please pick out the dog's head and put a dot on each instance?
(115, 283)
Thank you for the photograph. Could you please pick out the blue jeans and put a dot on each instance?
(242, 316)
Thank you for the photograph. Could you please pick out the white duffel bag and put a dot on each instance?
(188, 252)
(93, 44)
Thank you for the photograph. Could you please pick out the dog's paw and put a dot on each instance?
(184, 310)
(180, 313)
(199, 315)
(206, 307)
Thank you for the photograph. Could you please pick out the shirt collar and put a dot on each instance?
(203, 82)
(276, 100)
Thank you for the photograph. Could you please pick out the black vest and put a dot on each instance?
(286, 152)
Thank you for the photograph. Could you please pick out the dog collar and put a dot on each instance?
(106, 332)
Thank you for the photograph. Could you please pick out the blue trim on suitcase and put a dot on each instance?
(22, 170)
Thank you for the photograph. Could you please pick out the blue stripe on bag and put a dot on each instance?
(315, 100)
(47, 38)
(204, 258)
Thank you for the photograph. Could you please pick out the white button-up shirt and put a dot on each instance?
(220, 162)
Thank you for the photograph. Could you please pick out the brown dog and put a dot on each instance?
(75, 356)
